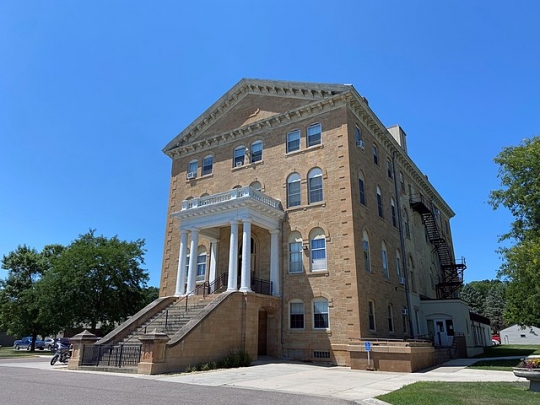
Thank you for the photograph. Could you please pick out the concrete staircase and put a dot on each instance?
(170, 319)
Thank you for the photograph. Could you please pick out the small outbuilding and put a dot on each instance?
(517, 335)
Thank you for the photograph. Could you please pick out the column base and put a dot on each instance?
(245, 289)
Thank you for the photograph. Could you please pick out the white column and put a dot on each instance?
(233, 258)
(181, 273)
(192, 270)
(213, 259)
(274, 261)
(245, 282)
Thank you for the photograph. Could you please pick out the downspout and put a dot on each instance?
(282, 288)
(402, 244)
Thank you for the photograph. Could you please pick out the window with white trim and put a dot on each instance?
(362, 189)
(296, 314)
(384, 255)
(293, 190)
(371, 316)
(379, 203)
(375, 152)
(293, 141)
(256, 151)
(208, 165)
(315, 185)
(358, 136)
(238, 157)
(193, 167)
(393, 209)
(389, 168)
(320, 313)
(296, 263)
(201, 264)
(314, 132)
(390, 318)
(367, 258)
(256, 185)
(317, 249)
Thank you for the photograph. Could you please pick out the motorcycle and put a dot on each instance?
(62, 354)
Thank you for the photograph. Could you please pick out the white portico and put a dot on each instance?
(205, 216)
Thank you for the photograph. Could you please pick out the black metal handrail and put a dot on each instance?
(111, 355)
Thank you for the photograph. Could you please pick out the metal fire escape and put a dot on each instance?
(450, 279)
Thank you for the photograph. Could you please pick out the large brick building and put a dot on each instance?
(340, 222)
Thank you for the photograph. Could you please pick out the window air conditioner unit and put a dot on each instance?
(404, 311)
(190, 175)
(238, 164)
(402, 280)
(361, 144)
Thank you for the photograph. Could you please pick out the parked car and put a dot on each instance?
(496, 339)
(26, 343)
(48, 344)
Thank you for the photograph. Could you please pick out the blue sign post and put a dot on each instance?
(367, 346)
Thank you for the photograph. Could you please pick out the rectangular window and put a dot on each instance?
(361, 186)
(366, 256)
(256, 152)
(238, 157)
(297, 315)
(371, 313)
(389, 168)
(379, 205)
(390, 320)
(294, 194)
(315, 189)
(201, 267)
(192, 169)
(314, 135)
(375, 155)
(318, 254)
(293, 141)
(320, 315)
(358, 136)
(394, 218)
(208, 163)
(295, 257)
(385, 265)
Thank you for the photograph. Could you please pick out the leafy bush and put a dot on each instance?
(240, 358)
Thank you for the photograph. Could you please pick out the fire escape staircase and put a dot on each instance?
(450, 279)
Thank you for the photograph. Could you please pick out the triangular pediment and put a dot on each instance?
(250, 101)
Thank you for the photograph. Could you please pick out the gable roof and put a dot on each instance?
(310, 92)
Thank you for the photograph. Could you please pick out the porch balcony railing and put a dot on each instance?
(237, 193)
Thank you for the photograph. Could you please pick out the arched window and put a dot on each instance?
(375, 152)
(379, 203)
(406, 223)
(296, 314)
(201, 263)
(193, 167)
(367, 257)
(362, 188)
(256, 151)
(358, 136)
(296, 264)
(293, 190)
(293, 140)
(384, 255)
(208, 165)
(393, 208)
(371, 316)
(238, 157)
(314, 132)
(398, 267)
(390, 318)
(315, 185)
(256, 185)
(320, 314)
(317, 242)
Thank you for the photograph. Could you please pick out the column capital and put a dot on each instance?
(234, 222)
(274, 231)
(247, 220)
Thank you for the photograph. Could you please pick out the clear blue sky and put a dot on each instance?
(90, 92)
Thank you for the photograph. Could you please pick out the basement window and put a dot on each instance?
(321, 354)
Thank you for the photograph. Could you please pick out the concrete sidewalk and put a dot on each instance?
(302, 378)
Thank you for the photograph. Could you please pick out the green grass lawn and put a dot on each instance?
(460, 393)
(10, 352)
(510, 350)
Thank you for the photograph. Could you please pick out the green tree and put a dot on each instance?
(150, 294)
(19, 293)
(519, 173)
(496, 305)
(96, 280)
(474, 297)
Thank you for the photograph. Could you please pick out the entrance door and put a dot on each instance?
(441, 333)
